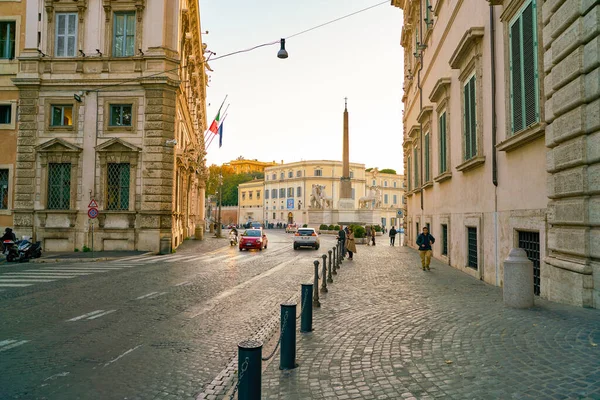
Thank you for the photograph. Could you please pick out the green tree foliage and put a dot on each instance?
(388, 171)
(359, 231)
(231, 181)
(368, 169)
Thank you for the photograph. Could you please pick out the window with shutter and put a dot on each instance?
(409, 174)
(470, 120)
(66, 35)
(7, 39)
(124, 35)
(426, 156)
(523, 65)
(442, 133)
(416, 162)
(3, 189)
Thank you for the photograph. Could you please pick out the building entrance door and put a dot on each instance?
(290, 218)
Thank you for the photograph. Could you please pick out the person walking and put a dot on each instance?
(341, 237)
(350, 244)
(424, 241)
(393, 233)
(368, 230)
(373, 233)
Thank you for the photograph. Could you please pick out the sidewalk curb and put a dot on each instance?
(76, 260)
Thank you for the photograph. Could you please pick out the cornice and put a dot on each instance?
(442, 86)
(424, 114)
(469, 39)
(414, 130)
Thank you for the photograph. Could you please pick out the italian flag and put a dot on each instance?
(214, 127)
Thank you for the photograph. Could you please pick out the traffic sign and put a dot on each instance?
(93, 212)
(93, 204)
(399, 213)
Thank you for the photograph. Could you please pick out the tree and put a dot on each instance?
(231, 181)
(388, 171)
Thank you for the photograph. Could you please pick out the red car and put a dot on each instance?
(253, 239)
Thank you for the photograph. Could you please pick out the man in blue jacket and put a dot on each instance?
(424, 241)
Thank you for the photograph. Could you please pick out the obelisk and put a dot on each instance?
(346, 201)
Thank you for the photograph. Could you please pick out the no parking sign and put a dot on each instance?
(93, 213)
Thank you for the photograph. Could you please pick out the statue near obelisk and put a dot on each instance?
(346, 201)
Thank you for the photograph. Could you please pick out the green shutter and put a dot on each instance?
(442, 130)
(409, 174)
(467, 122)
(416, 163)
(427, 157)
(529, 65)
(473, 111)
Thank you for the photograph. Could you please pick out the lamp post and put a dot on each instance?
(220, 201)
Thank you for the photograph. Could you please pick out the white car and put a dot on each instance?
(306, 237)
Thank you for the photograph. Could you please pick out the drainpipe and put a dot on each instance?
(494, 152)
(418, 49)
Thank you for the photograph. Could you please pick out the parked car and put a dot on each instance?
(291, 228)
(306, 237)
(253, 239)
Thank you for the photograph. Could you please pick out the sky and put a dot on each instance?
(292, 110)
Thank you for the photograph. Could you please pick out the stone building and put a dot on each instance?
(12, 40)
(112, 108)
(501, 121)
(292, 192)
(243, 166)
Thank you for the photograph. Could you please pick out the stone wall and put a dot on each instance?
(572, 84)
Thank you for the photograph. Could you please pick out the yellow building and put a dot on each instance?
(12, 40)
(242, 166)
(250, 201)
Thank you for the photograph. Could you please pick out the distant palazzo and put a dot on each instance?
(501, 112)
(290, 192)
(131, 138)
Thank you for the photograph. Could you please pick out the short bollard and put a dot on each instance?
(324, 275)
(306, 308)
(287, 351)
(329, 277)
(249, 369)
(335, 260)
(316, 302)
(340, 254)
(518, 280)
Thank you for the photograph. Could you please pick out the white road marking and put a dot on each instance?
(146, 295)
(7, 280)
(41, 272)
(79, 270)
(183, 283)
(51, 276)
(5, 342)
(13, 345)
(56, 376)
(85, 315)
(122, 355)
(14, 284)
(87, 268)
(157, 295)
(103, 314)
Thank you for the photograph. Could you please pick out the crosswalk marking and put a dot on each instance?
(92, 315)
(43, 272)
(15, 284)
(33, 276)
(10, 344)
(103, 314)
(32, 280)
(146, 295)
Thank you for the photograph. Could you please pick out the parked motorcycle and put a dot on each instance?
(22, 250)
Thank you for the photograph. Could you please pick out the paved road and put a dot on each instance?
(140, 328)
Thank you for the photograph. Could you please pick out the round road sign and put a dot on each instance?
(93, 213)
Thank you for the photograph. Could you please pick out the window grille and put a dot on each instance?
(59, 186)
(3, 189)
(530, 242)
(472, 247)
(118, 186)
(124, 35)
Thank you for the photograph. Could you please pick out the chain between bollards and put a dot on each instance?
(316, 302)
(241, 376)
(285, 318)
(329, 277)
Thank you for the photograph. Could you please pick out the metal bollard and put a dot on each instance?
(306, 308)
(316, 302)
(287, 351)
(329, 277)
(324, 275)
(249, 369)
(335, 260)
(340, 254)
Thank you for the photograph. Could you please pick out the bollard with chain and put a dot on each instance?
(249, 370)
(340, 254)
(329, 277)
(335, 260)
(306, 310)
(316, 302)
(287, 354)
(324, 275)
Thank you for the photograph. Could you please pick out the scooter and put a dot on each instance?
(11, 250)
(22, 250)
(233, 240)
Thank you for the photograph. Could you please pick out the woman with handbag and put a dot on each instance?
(350, 243)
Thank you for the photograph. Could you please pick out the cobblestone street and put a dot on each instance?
(388, 330)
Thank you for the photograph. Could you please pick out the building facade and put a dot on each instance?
(112, 109)
(291, 192)
(489, 165)
(243, 166)
(12, 40)
(250, 201)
